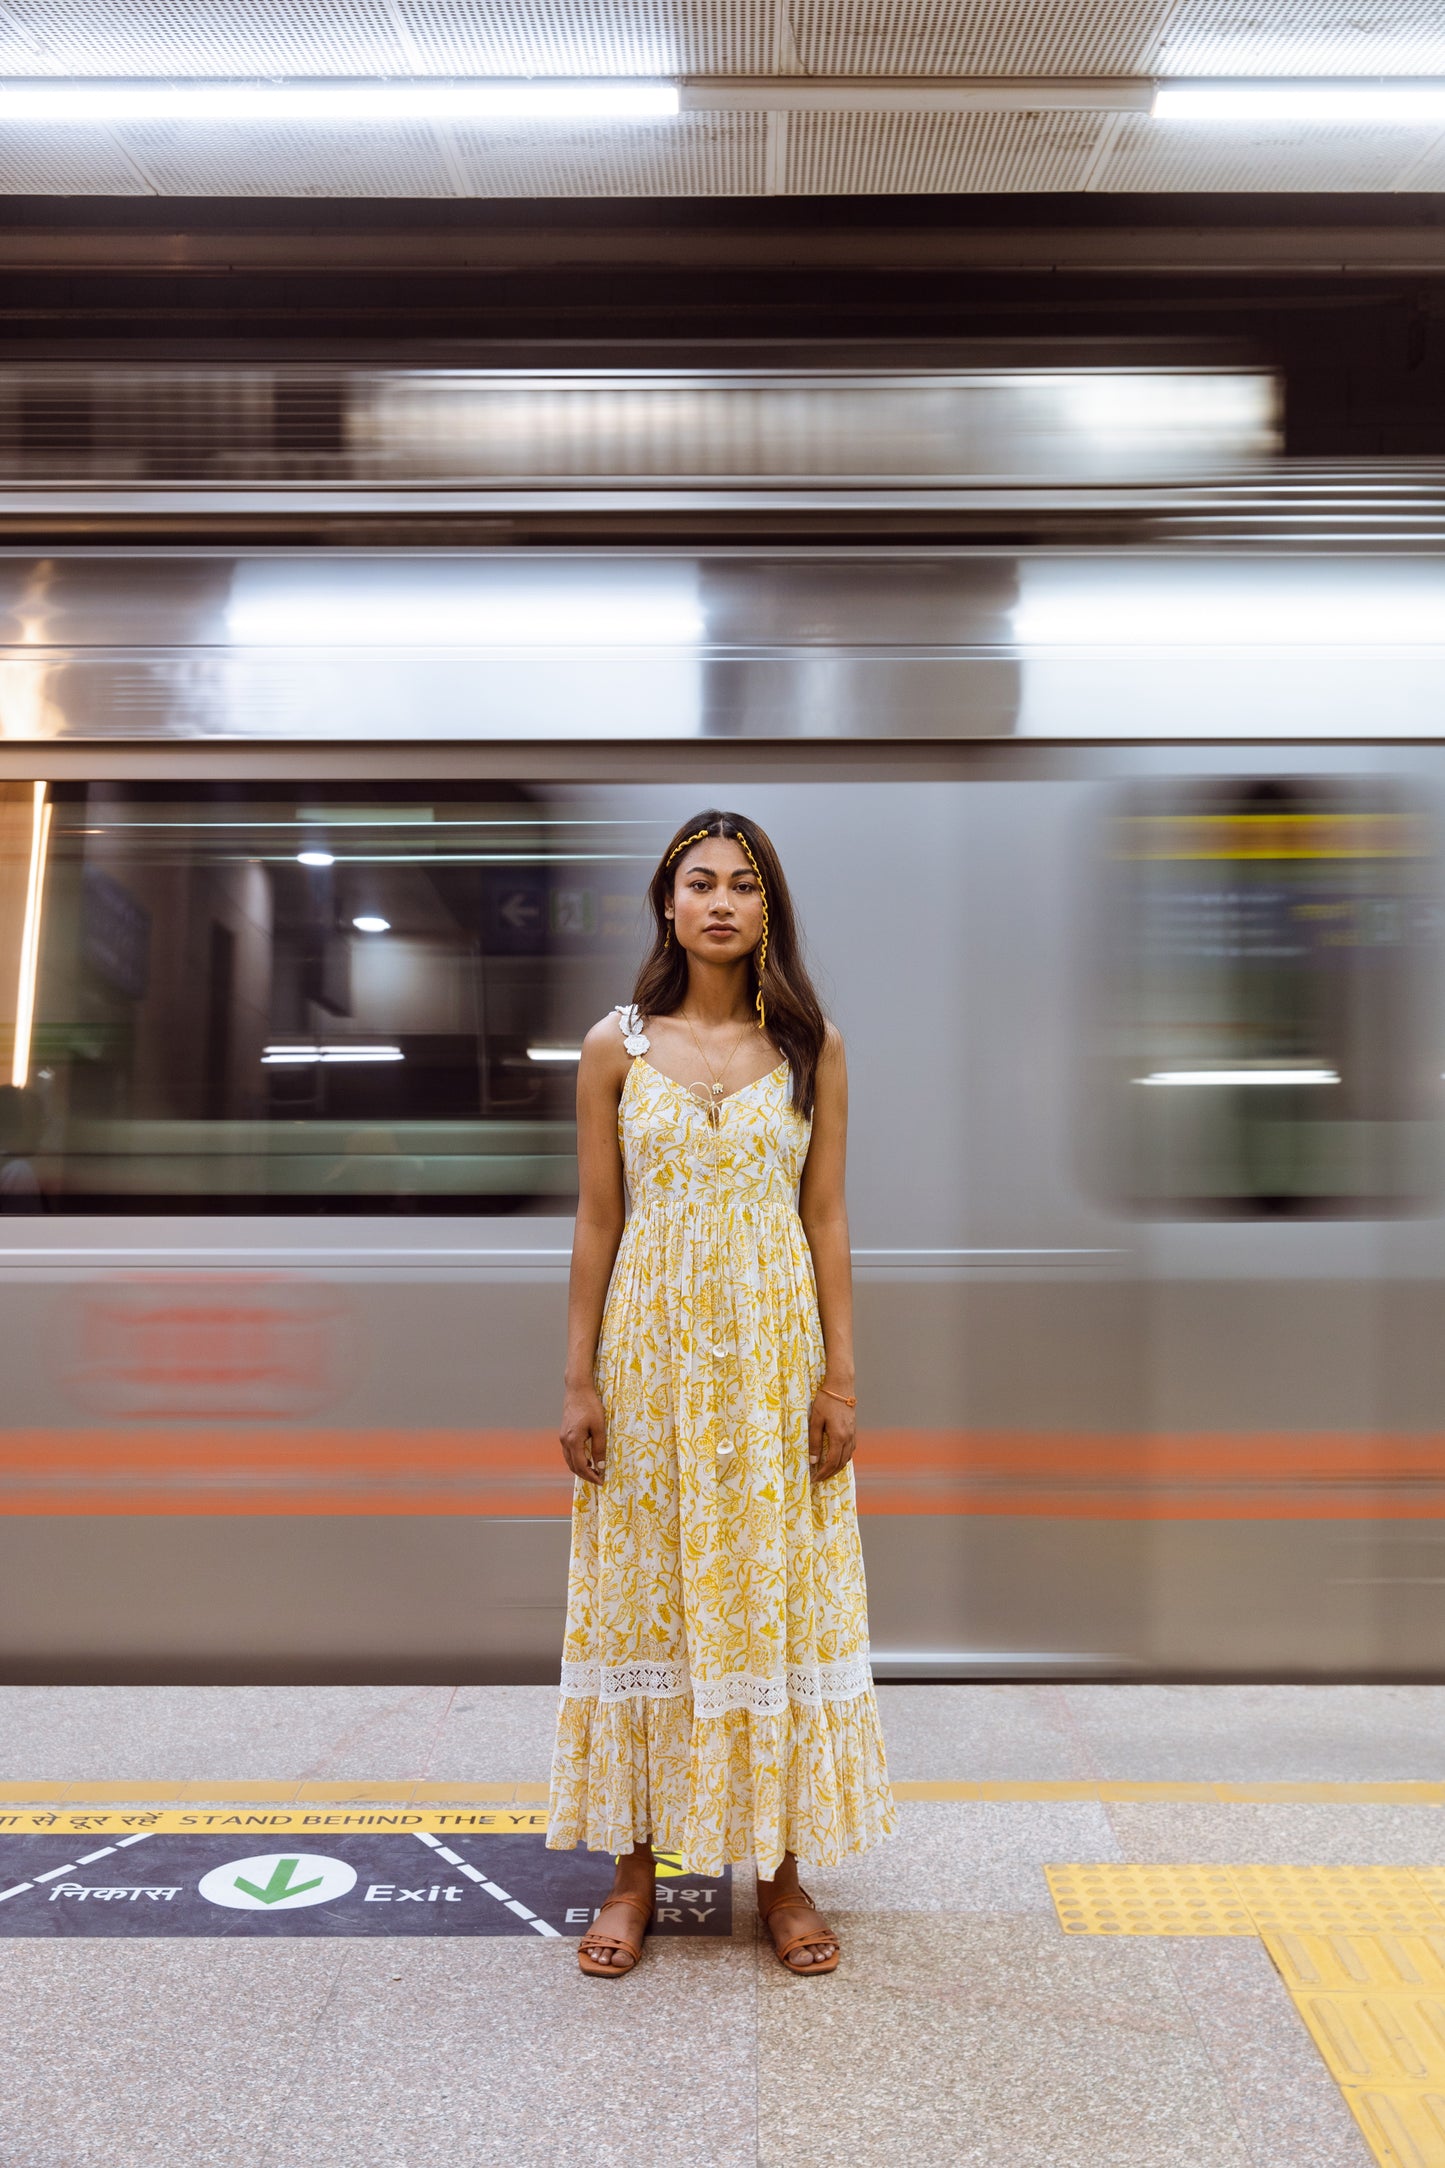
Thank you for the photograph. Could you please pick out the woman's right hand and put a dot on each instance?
(584, 1434)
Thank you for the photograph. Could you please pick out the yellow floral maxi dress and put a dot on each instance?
(716, 1695)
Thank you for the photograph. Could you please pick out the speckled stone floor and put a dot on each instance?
(963, 2027)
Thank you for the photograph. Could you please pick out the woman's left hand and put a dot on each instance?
(832, 1436)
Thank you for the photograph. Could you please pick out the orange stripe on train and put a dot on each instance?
(274, 1469)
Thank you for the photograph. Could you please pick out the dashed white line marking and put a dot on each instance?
(474, 1874)
(18, 1889)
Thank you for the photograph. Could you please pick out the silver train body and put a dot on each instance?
(1119, 868)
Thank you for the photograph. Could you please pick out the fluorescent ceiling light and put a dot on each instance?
(554, 1053)
(315, 858)
(1240, 1076)
(372, 925)
(1421, 102)
(44, 100)
(278, 1056)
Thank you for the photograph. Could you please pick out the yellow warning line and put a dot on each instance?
(1117, 1791)
(291, 1791)
(273, 1821)
(1360, 1949)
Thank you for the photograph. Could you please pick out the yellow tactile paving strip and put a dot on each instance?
(1361, 1950)
(1106, 1899)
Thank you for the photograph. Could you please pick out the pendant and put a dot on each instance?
(709, 1097)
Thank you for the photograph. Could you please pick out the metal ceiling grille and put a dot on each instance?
(700, 154)
(592, 37)
(1279, 155)
(976, 37)
(719, 154)
(282, 160)
(82, 162)
(205, 37)
(561, 37)
(1303, 37)
(921, 153)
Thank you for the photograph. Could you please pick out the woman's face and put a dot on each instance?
(717, 904)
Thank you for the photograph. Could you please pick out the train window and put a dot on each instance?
(1271, 965)
(320, 999)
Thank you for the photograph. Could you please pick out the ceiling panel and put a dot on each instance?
(1302, 37)
(975, 37)
(592, 37)
(82, 162)
(699, 154)
(921, 153)
(960, 37)
(290, 160)
(202, 37)
(1280, 155)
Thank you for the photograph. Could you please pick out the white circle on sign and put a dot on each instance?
(277, 1882)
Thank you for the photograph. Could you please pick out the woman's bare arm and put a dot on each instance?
(601, 1209)
(822, 1204)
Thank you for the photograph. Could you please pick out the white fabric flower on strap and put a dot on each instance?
(634, 1038)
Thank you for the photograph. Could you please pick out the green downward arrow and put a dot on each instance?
(280, 1884)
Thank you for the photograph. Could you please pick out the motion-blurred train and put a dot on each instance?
(1104, 752)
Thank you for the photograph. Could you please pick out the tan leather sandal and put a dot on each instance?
(802, 1902)
(593, 1941)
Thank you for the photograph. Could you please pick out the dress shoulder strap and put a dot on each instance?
(629, 1023)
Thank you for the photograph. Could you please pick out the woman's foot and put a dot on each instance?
(801, 1936)
(613, 1943)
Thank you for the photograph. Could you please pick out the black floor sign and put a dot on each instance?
(419, 1883)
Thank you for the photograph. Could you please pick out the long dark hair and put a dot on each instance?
(796, 1023)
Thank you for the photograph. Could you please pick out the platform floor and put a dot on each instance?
(964, 2026)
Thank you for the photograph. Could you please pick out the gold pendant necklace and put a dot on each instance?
(710, 1097)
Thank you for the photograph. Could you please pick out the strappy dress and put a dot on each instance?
(716, 1695)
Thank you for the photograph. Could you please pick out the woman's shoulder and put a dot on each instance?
(614, 1037)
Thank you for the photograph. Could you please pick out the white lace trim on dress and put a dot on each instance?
(808, 1684)
(634, 1031)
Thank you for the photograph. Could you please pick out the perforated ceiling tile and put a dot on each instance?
(1280, 155)
(82, 162)
(1113, 1900)
(908, 153)
(698, 154)
(1303, 37)
(593, 37)
(205, 37)
(976, 37)
(292, 160)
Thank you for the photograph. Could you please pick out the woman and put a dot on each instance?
(716, 1698)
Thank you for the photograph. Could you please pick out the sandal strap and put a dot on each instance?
(802, 1902)
(607, 1942)
(638, 1904)
(801, 1942)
